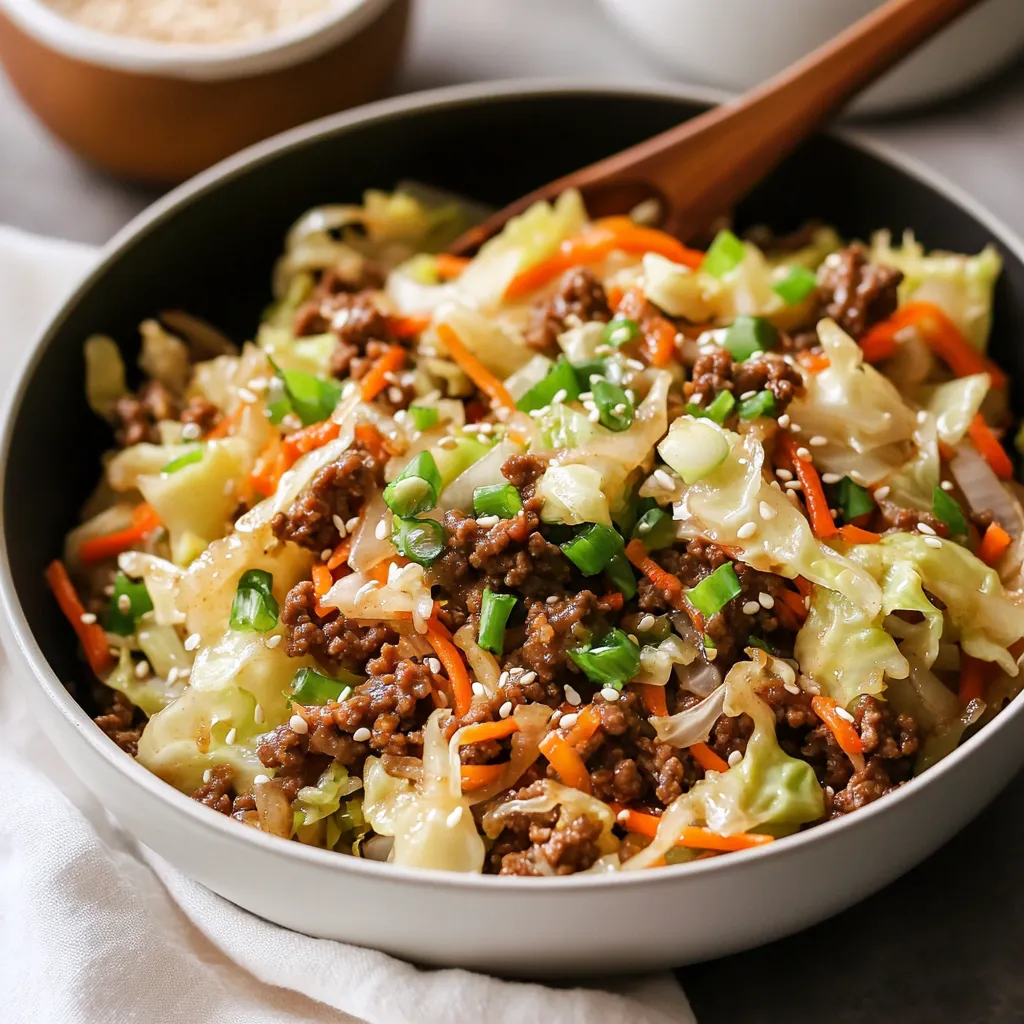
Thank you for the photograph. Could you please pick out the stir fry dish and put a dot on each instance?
(594, 552)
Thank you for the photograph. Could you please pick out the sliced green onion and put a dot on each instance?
(656, 529)
(620, 330)
(725, 253)
(123, 620)
(762, 404)
(420, 540)
(254, 608)
(948, 510)
(620, 573)
(310, 688)
(756, 641)
(747, 335)
(312, 399)
(561, 377)
(714, 592)
(718, 409)
(613, 404)
(593, 548)
(494, 612)
(628, 509)
(424, 416)
(500, 500)
(796, 285)
(853, 500)
(588, 369)
(613, 661)
(416, 488)
(188, 459)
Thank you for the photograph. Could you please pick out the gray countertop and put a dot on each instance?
(940, 944)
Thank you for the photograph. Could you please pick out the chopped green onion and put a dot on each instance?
(613, 404)
(620, 573)
(494, 612)
(714, 592)
(947, 509)
(188, 459)
(124, 620)
(796, 285)
(613, 661)
(620, 330)
(747, 335)
(718, 409)
(500, 500)
(588, 369)
(762, 404)
(852, 500)
(312, 399)
(725, 253)
(628, 509)
(560, 378)
(756, 641)
(254, 608)
(420, 540)
(655, 529)
(593, 548)
(416, 488)
(424, 416)
(310, 688)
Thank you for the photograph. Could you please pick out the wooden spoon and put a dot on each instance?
(703, 167)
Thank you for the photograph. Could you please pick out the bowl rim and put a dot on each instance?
(202, 61)
(177, 803)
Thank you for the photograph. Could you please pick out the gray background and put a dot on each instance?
(942, 944)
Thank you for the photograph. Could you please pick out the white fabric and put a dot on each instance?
(95, 929)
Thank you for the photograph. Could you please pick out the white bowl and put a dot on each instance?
(735, 44)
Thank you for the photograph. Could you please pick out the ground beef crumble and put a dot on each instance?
(855, 293)
(201, 413)
(333, 292)
(136, 416)
(717, 371)
(122, 722)
(580, 298)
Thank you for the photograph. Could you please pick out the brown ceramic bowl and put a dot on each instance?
(161, 112)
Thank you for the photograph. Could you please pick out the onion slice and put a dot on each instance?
(692, 725)
(985, 491)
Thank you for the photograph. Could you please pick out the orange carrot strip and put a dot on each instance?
(660, 340)
(482, 731)
(814, 495)
(227, 423)
(476, 776)
(90, 634)
(790, 609)
(322, 581)
(653, 698)
(994, 544)
(474, 369)
(694, 836)
(374, 442)
(449, 267)
(989, 447)
(377, 379)
(634, 238)
(974, 674)
(564, 759)
(264, 476)
(804, 586)
(611, 602)
(637, 554)
(440, 639)
(814, 362)
(340, 554)
(846, 735)
(97, 549)
(615, 294)
(299, 442)
(406, 327)
(588, 721)
(855, 535)
(707, 758)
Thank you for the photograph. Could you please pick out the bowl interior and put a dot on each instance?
(211, 250)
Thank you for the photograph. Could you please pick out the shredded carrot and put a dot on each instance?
(308, 439)
(374, 442)
(407, 327)
(611, 602)
(90, 634)
(449, 267)
(989, 447)
(339, 556)
(791, 610)
(564, 759)
(98, 549)
(227, 423)
(694, 836)
(707, 758)
(474, 369)
(814, 362)
(660, 341)
(855, 535)
(637, 554)
(805, 586)
(974, 674)
(810, 482)
(267, 469)
(634, 238)
(476, 776)
(462, 691)
(483, 731)
(994, 544)
(377, 379)
(846, 735)
(322, 581)
(615, 294)
(653, 698)
(588, 721)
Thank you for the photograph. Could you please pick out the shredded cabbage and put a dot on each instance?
(104, 375)
(312, 803)
(150, 694)
(573, 495)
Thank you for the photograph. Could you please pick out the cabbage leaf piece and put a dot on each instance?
(312, 803)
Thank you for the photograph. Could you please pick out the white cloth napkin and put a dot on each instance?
(96, 929)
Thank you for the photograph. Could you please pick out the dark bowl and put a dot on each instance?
(209, 248)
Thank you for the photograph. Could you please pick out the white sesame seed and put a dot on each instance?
(646, 623)
(795, 428)
(260, 780)
(351, 524)
(207, 775)
(503, 679)
(192, 642)
(594, 416)
(946, 485)
(298, 724)
(434, 665)
(274, 641)
(442, 698)
(784, 420)
(922, 416)
(933, 542)
(478, 689)
(553, 599)
(556, 717)
(124, 603)
(559, 396)
(380, 531)
(817, 441)
(247, 396)
(766, 601)
(742, 462)
(609, 694)
(505, 710)
(844, 714)
(747, 530)
(488, 521)
(572, 696)
(751, 608)
(830, 478)
(87, 618)
(858, 478)
(231, 736)
(711, 653)
(767, 512)
(803, 454)
(698, 398)
(882, 493)
(791, 688)
(108, 590)
(527, 677)
(172, 674)
(792, 495)
(362, 735)
(746, 395)
(734, 758)
(784, 474)
(190, 432)
(395, 395)
(325, 554)
(926, 529)
(662, 479)
(257, 714)
(142, 669)
(454, 818)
